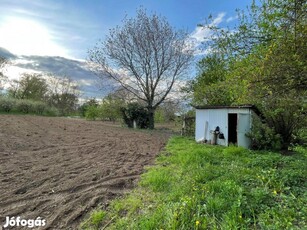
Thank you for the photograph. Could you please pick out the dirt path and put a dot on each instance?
(60, 168)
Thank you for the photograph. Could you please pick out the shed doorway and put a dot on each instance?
(232, 128)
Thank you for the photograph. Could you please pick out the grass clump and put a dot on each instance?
(95, 220)
(195, 186)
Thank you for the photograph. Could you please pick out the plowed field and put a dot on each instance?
(60, 168)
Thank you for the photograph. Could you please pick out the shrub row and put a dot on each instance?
(103, 112)
(10, 105)
(131, 113)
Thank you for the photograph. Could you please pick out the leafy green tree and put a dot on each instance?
(110, 108)
(84, 107)
(92, 112)
(209, 85)
(265, 60)
(31, 87)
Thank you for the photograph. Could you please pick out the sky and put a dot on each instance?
(54, 36)
(69, 28)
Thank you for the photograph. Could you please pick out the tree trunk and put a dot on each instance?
(151, 118)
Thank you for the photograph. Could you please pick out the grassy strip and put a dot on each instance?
(193, 186)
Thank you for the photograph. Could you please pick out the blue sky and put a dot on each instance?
(69, 28)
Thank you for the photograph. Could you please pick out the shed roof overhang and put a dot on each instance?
(253, 107)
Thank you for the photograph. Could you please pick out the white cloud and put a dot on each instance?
(24, 36)
(201, 34)
(15, 73)
(30, 27)
(230, 19)
(218, 19)
(86, 82)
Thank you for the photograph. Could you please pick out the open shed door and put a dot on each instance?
(232, 128)
(243, 128)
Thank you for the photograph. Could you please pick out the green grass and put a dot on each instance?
(195, 186)
(95, 219)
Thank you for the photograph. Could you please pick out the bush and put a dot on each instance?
(301, 137)
(286, 115)
(109, 111)
(135, 112)
(51, 111)
(83, 108)
(263, 137)
(7, 104)
(39, 107)
(159, 116)
(25, 106)
(91, 113)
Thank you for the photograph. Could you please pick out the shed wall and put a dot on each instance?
(211, 118)
(201, 118)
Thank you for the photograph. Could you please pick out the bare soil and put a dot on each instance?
(59, 169)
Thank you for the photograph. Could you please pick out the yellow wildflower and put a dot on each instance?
(197, 222)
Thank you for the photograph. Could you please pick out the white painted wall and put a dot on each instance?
(214, 118)
(219, 117)
(201, 117)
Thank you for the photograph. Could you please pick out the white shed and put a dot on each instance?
(230, 122)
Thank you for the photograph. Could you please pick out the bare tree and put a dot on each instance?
(3, 62)
(145, 56)
(64, 93)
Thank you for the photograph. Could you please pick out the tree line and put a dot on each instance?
(51, 95)
(33, 91)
